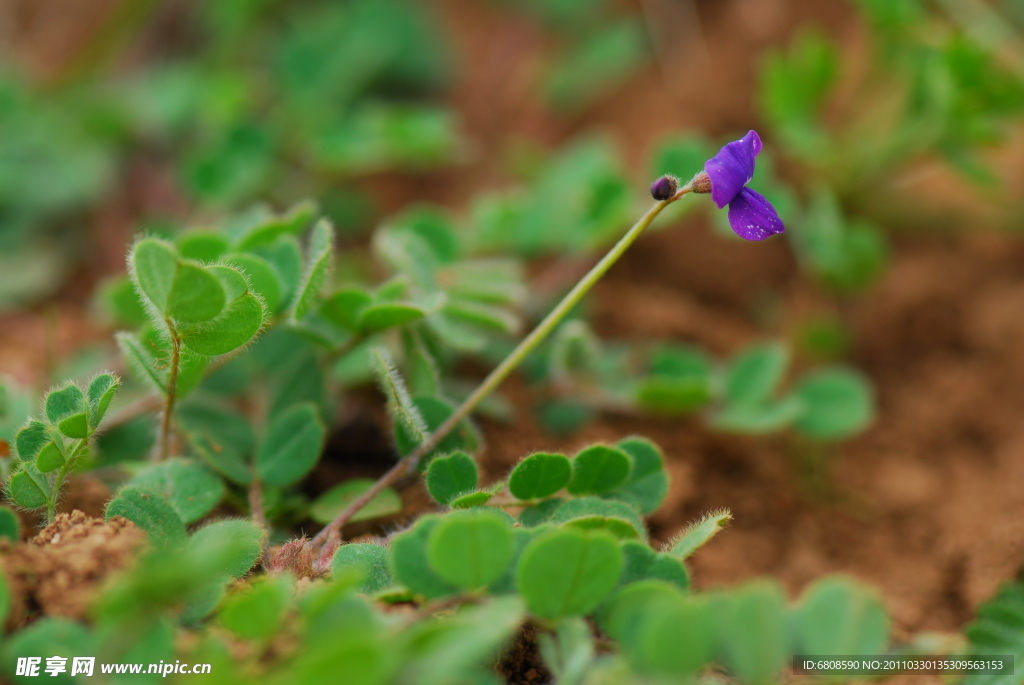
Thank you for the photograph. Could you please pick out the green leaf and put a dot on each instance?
(27, 488)
(630, 604)
(838, 404)
(148, 359)
(223, 438)
(63, 403)
(328, 505)
(292, 446)
(643, 563)
(153, 265)
(483, 315)
(436, 411)
(49, 458)
(593, 513)
(256, 612)
(672, 396)
(471, 500)
(236, 326)
(189, 487)
(196, 294)
(450, 476)
(202, 245)
(753, 631)
(371, 562)
(648, 482)
(152, 514)
(318, 265)
(470, 550)
(755, 373)
(838, 615)
(568, 572)
(379, 317)
(30, 439)
(540, 512)
(244, 537)
(698, 533)
(403, 411)
(263, 278)
(121, 299)
(344, 307)
(673, 638)
(541, 474)
(409, 563)
(100, 394)
(10, 528)
(756, 419)
(598, 469)
(295, 221)
(75, 426)
(49, 636)
(998, 629)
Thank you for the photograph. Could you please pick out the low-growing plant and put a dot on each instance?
(234, 328)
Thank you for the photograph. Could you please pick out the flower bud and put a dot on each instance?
(664, 188)
(701, 183)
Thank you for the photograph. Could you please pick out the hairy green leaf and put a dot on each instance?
(369, 560)
(10, 528)
(244, 537)
(318, 265)
(699, 532)
(450, 476)
(409, 563)
(187, 486)
(152, 514)
(648, 482)
(236, 326)
(541, 474)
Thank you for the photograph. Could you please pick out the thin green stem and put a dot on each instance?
(58, 481)
(500, 372)
(166, 427)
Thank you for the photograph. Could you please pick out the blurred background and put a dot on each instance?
(893, 147)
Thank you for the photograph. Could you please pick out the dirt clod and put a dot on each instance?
(58, 572)
(522, 663)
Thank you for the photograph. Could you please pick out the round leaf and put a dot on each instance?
(599, 469)
(540, 475)
(470, 550)
(450, 476)
(409, 562)
(196, 294)
(235, 327)
(840, 616)
(648, 482)
(370, 560)
(263, 278)
(568, 572)
(25, 491)
(838, 404)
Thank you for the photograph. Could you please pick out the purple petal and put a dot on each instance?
(752, 217)
(732, 168)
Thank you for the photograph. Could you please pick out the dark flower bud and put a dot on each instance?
(664, 188)
(701, 183)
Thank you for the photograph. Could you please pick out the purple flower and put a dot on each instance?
(751, 216)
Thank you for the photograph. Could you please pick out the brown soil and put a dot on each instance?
(59, 572)
(522, 664)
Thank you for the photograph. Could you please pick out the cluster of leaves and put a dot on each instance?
(49, 448)
(575, 562)
(938, 85)
(740, 395)
(268, 99)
